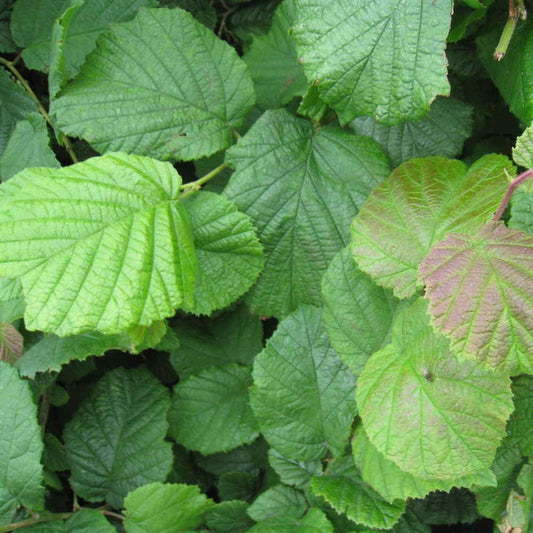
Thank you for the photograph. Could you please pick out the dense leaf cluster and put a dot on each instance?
(265, 266)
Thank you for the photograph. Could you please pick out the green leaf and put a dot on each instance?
(311, 105)
(314, 521)
(237, 486)
(291, 471)
(513, 75)
(11, 343)
(357, 313)
(165, 508)
(344, 488)
(210, 410)
(484, 280)
(432, 415)
(520, 425)
(115, 441)
(392, 483)
(21, 446)
(303, 394)
(54, 455)
(16, 104)
(277, 74)
(441, 132)
(522, 211)
(160, 85)
(12, 303)
(380, 58)
(84, 521)
(229, 517)
(28, 146)
(518, 515)
(301, 187)
(7, 45)
(452, 507)
(233, 337)
(102, 245)
(421, 202)
(229, 255)
(201, 10)
(523, 149)
(278, 501)
(254, 19)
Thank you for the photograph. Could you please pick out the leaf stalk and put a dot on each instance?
(510, 190)
(193, 186)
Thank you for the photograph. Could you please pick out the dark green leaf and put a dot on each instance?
(278, 501)
(315, 521)
(229, 517)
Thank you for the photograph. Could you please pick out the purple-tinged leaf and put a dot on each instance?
(11, 343)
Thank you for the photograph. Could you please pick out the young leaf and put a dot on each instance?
(520, 425)
(11, 343)
(522, 211)
(422, 201)
(291, 471)
(432, 415)
(21, 446)
(229, 255)
(441, 132)
(278, 501)
(484, 281)
(160, 85)
(376, 58)
(229, 517)
(102, 245)
(349, 494)
(165, 507)
(115, 441)
(357, 313)
(28, 146)
(303, 394)
(278, 76)
(314, 521)
(210, 410)
(523, 150)
(301, 187)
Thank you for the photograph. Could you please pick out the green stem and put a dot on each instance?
(505, 39)
(510, 190)
(190, 188)
(64, 139)
(36, 520)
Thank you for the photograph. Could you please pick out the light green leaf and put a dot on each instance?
(384, 59)
(345, 490)
(229, 517)
(392, 483)
(278, 501)
(28, 146)
(233, 337)
(165, 508)
(314, 521)
(278, 75)
(357, 312)
(161, 85)
(421, 202)
(229, 255)
(513, 75)
(21, 446)
(432, 415)
(301, 187)
(210, 410)
(523, 150)
(486, 280)
(303, 394)
(522, 211)
(102, 245)
(291, 471)
(441, 132)
(89, 521)
(11, 343)
(520, 425)
(12, 303)
(115, 441)
(16, 104)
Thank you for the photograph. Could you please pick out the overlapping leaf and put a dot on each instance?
(229, 517)
(102, 245)
(520, 424)
(301, 188)
(522, 211)
(303, 394)
(11, 299)
(421, 202)
(161, 85)
(314, 521)
(431, 414)
(279, 500)
(115, 441)
(11, 343)
(384, 59)
(480, 289)
(523, 150)
(291, 471)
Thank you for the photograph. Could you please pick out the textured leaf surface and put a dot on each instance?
(165, 508)
(314, 521)
(229, 517)
(11, 343)
(20, 445)
(115, 441)
(11, 299)
(28, 146)
(273, 62)
(422, 201)
(278, 501)
(523, 150)
(357, 313)
(229, 255)
(201, 10)
(233, 337)
(441, 132)
(522, 211)
(88, 521)
(211, 412)
(344, 488)
(291, 471)
(392, 483)
(458, 505)
(484, 281)
(303, 394)
(520, 424)
(383, 59)
(432, 415)
(101, 245)
(301, 188)
(161, 85)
